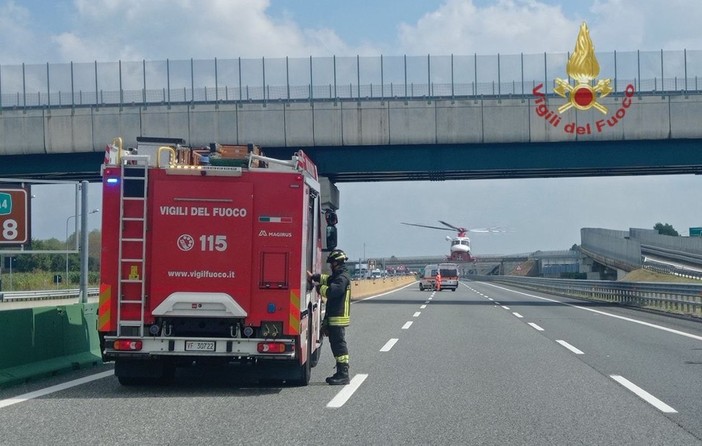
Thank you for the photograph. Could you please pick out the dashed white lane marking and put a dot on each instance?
(53, 389)
(388, 345)
(570, 347)
(536, 326)
(489, 298)
(641, 393)
(604, 313)
(407, 325)
(416, 314)
(348, 390)
(517, 314)
(505, 307)
(422, 307)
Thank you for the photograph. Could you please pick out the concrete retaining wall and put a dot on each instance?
(612, 244)
(652, 237)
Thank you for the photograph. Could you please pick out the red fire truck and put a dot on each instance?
(206, 263)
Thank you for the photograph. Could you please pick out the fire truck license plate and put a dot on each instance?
(200, 346)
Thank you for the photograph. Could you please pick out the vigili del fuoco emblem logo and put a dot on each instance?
(583, 68)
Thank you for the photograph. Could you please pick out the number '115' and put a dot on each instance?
(213, 242)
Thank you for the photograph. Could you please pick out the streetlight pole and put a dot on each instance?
(94, 211)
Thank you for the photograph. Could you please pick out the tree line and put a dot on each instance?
(49, 262)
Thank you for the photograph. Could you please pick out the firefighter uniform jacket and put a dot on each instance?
(335, 289)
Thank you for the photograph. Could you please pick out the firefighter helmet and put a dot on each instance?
(337, 255)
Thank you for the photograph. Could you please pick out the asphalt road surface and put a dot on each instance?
(484, 365)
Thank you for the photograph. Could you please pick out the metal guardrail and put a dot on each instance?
(681, 298)
(672, 261)
(15, 296)
(674, 270)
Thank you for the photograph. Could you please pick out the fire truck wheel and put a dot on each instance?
(303, 373)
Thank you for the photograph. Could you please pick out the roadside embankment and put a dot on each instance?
(368, 287)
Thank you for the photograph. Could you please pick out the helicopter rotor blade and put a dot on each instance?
(491, 230)
(427, 226)
(455, 228)
(450, 226)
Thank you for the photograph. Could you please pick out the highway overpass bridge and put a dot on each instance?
(367, 119)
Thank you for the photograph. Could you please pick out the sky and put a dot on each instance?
(540, 214)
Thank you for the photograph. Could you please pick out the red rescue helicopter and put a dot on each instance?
(460, 244)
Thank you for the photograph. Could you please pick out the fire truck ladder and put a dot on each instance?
(131, 287)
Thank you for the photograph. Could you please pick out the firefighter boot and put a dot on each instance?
(341, 376)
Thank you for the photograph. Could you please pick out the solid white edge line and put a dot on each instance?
(57, 388)
(348, 390)
(517, 314)
(407, 325)
(570, 347)
(535, 326)
(416, 314)
(641, 393)
(388, 345)
(636, 321)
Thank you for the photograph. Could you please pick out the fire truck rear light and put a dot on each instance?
(271, 347)
(127, 345)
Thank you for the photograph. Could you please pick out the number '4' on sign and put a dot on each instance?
(5, 203)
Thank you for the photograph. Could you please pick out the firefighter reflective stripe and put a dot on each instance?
(294, 317)
(342, 359)
(324, 279)
(104, 308)
(345, 319)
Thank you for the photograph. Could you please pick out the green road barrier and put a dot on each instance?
(44, 341)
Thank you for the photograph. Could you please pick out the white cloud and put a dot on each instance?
(160, 29)
(647, 24)
(16, 33)
(110, 30)
(506, 27)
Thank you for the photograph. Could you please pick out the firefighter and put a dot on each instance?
(438, 281)
(335, 289)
